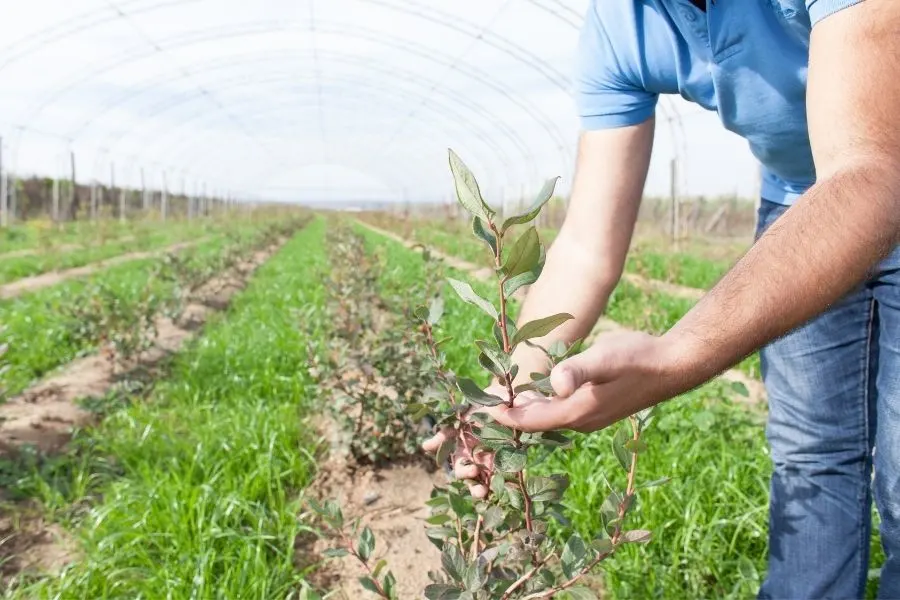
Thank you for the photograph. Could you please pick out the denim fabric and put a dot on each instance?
(834, 395)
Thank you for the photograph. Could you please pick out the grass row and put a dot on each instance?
(141, 239)
(42, 336)
(193, 492)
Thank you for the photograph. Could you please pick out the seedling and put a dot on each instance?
(498, 547)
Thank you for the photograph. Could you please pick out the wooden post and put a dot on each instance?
(673, 196)
(145, 203)
(112, 191)
(55, 209)
(94, 199)
(191, 202)
(4, 207)
(73, 193)
(13, 197)
(164, 201)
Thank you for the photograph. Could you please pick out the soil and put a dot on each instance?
(31, 284)
(32, 545)
(388, 499)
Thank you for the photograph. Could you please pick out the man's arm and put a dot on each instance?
(814, 254)
(826, 244)
(587, 257)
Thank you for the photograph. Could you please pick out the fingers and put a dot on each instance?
(464, 468)
(548, 414)
(591, 366)
(433, 444)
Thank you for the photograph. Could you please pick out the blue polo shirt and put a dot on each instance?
(745, 59)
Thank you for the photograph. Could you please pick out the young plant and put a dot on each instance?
(360, 545)
(498, 547)
(371, 368)
(4, 347)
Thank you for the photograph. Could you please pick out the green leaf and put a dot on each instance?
(636, 446)
(366, 544)
(510, 460)
(484, 233)
(459, 505)
(618, 446)
(500, 358)
(378, 567)
(336, 552)
(532, 211)
(540, 327)
(602, 545)
(467, 294)
(654, 483)
(453, 563)
(439, 535)
(467, 191)
(636, 536)
(435, 310)
(543, 489)
(555, 439)
(524, 254)
(573, 556)
(581, 593)
(498, 484)
(421, 313)
(438, 519)
(390, 582)
(473, 392)
(740, 389)
(493, 517)
(541, 385)
(512, 284)
(495, 433)
(442, 591)
(447, 446)
(476, 577)
(369, 584)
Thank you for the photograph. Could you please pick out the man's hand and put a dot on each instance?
(621, 374)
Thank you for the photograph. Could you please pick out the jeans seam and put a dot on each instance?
(864, 529)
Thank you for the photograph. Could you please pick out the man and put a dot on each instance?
(814, 87)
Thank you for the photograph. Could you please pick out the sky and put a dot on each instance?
(319, 100)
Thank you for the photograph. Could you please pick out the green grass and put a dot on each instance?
(40, 336)
(12, 268)
(202, 499)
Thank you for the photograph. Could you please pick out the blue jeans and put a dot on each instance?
(834, 396)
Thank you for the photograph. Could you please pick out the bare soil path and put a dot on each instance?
(37, 282)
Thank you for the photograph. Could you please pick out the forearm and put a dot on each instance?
(573, 282)
(812, 256)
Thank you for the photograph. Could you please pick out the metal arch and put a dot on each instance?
(361, 33)
(104, 17)
(496, 149)
(337, 57)
(295, 107)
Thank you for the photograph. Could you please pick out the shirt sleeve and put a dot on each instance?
(605, 95)
(819, 9)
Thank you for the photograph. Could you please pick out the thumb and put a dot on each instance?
(591, 366)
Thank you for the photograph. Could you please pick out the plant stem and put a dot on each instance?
(477, 541)
(521, 581)
(349, 544)
(527, 500)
